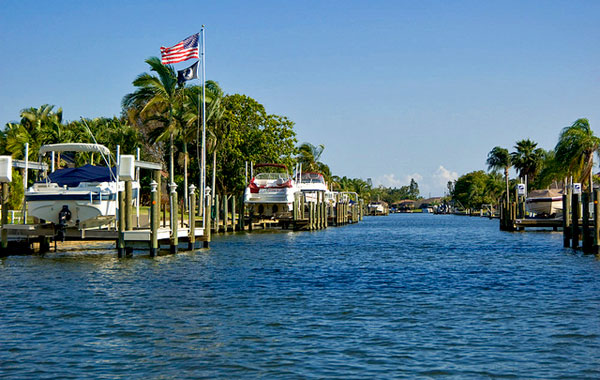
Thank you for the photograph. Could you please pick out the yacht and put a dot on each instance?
(270, 193)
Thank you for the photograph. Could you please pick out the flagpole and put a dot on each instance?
(204, 130)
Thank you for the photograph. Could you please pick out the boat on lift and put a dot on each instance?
(311, 183)
(544, 203)
(270, 193)
(80, 197)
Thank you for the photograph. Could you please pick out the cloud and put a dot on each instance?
(390, 180)
(442, 175)
(434, 184)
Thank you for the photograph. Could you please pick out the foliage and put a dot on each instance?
(575, 149)
(251, 135)
(17, 191)
(476, 188)
(527, 159)
(309, 156)
(551, 172)
(366, 191)
(498, 159)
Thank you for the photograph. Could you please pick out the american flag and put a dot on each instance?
(186, 49)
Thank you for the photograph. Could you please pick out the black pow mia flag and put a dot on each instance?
(187, 74)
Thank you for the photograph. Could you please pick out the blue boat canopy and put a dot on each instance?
(87, 173)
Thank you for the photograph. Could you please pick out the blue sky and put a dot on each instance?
(393, 89)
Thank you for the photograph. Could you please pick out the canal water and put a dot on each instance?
(403, 296)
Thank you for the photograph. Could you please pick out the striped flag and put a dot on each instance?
(186, 49)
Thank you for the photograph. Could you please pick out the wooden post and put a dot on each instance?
(121, 225)
(128, 213)
(566, 220)
(233, 224)
(596, 229)
(207, 227)
(4, 233)
(318, 210)
(154, 213)
(174, 217)
(575, 221)
(217, 212)
(192, 218)
(585, 223)
(325, 212)
(295, 208)
(225, 212)
(242, 214)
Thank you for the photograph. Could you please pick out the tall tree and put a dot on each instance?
(575, 149)
(159, 99)
(499, 158)
(38, 126)
(527, 158)
(309, 156)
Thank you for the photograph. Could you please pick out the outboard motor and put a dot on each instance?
(63, 217)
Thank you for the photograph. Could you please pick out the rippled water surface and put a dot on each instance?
(404, 296)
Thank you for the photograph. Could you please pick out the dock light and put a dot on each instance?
(173, 187)
(192, 189)
(153, 186)
(207, 191)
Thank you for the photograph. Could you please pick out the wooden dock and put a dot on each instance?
(580, 219)
(190, 234)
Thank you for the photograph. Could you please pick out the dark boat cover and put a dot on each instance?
(87, 173)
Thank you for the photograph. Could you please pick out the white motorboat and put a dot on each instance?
(544, 203)
(270, 194)
(80, 197)
(376, 208)
(311, 183)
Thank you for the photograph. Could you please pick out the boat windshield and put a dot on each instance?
(312, 178)
(272, 176)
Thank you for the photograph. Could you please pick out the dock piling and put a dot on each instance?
(575, 221)
(173, 226)
(596, 229)
(154, 215)
(192, 217)
(121, 225)
(4, 233)
(585, 223)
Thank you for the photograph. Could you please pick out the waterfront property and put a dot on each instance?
(94, 204)
(577, 216)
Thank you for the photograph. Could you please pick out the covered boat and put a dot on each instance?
(79, 197)
(544, 203)
(270, 193)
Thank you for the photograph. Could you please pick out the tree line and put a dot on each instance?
(162, 118)
(573, 156)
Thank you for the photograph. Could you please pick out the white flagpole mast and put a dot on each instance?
(203, 191)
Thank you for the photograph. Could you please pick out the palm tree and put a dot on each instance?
(575, 149)
(499, 158)
(527, 158)
(159, 99)
(309, 155)
(38, 126)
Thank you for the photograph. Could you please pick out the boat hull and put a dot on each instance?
(88, 205)
(270, 202)
(550, 206)
(83, 213)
